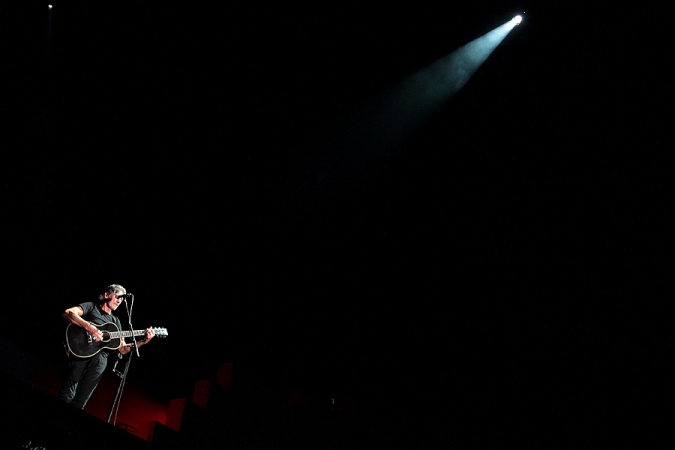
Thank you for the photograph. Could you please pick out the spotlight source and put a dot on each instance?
(518, 19)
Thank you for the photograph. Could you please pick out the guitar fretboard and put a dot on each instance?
(121, 334)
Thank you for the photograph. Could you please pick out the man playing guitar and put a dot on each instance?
(85, 373)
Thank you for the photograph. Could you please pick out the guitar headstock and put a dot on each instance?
(161, 332)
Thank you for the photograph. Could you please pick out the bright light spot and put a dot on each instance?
(49, 6)
(518, 19)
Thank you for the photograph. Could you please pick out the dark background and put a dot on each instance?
(509, 263)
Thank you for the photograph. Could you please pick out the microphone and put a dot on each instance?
(124, 296)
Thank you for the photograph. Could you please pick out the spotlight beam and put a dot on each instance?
(394, 116)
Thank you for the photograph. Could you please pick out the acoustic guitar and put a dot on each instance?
(81, 344)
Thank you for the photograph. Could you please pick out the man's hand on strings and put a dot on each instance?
(149, 334)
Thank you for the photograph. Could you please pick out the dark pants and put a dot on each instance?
(82, 378)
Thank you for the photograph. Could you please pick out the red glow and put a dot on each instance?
(201, 393)
(137, 407)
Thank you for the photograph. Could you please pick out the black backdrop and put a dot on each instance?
(510, 257)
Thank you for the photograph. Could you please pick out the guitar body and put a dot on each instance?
(81, 345)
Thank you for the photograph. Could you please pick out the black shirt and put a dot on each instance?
(94, 314)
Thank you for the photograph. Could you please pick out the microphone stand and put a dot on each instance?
(123, 375)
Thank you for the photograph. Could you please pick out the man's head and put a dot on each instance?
(110, 290)
(109, 296)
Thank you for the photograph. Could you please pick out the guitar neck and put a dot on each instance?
(123, 334)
